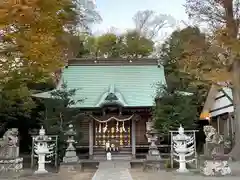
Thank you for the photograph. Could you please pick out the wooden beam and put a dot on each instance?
(210, 98)
(229, 98)
(90, 139)
(133, 134)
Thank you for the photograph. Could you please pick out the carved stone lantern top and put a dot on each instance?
(153, 132)
(181, 136)
(71, 131)
(42, 136)
(42, 131)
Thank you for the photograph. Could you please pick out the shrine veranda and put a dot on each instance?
(119, 95)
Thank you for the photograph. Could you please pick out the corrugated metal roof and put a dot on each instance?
(135, 85)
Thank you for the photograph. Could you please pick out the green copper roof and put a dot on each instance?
(131, 86)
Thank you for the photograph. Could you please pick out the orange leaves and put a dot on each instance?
(229, 43)
(201, 57)
(35, 28)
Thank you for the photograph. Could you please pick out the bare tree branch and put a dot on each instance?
(148, 23)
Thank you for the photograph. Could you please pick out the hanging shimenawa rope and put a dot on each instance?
(112, 118)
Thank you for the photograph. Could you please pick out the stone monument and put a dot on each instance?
(9, 151)
(70, 154)
(216, 163)
(181, 149)
(42, 149)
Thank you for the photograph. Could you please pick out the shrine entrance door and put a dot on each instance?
(114, 132)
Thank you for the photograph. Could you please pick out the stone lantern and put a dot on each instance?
(181, 141)
(70, 154)
(153, 152)
(42, 149)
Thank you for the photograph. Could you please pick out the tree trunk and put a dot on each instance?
(235, 153)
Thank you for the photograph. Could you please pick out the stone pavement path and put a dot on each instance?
(111, 170)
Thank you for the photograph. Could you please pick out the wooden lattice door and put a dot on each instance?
(118, 133)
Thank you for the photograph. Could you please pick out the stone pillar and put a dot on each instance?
(90, 139)
(133, 134)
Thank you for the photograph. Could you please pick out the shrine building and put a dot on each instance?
(118, 98)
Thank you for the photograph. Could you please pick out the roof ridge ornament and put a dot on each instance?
(159, 63)
(111, 89)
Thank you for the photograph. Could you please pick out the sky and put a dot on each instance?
(119, 13)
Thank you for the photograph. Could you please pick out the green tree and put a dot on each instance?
(218, 61)
(173, 108)
(60, 112)
(110, 45)
(15, 102)
(136, 46)
(91, 46)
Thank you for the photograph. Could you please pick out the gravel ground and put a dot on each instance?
(138, 174)
(84, 175)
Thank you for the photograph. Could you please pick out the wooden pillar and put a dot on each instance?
(90, 139)
(133, 134)
(218, 125)
(232, 125)
(228, 127)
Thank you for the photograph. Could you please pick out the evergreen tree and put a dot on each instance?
(60, 112)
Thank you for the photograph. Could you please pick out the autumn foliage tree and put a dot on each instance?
(33, 45)
(218, 59)
(182, 93)
(35, 29)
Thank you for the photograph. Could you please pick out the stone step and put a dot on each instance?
(120, 149)
(114, 157)
(114, 164)
(113, 153)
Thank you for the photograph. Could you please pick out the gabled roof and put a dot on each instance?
(219, 101)
(112, 96)
(131, 82)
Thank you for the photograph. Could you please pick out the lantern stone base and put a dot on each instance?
(153, 165)
(70, 157)
(183, 170)
(216, 168)
(11, 164)
(153, 161)
(153, 154)
(70, 167)
(42, 171)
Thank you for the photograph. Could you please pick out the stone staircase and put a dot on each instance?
(125, 153)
